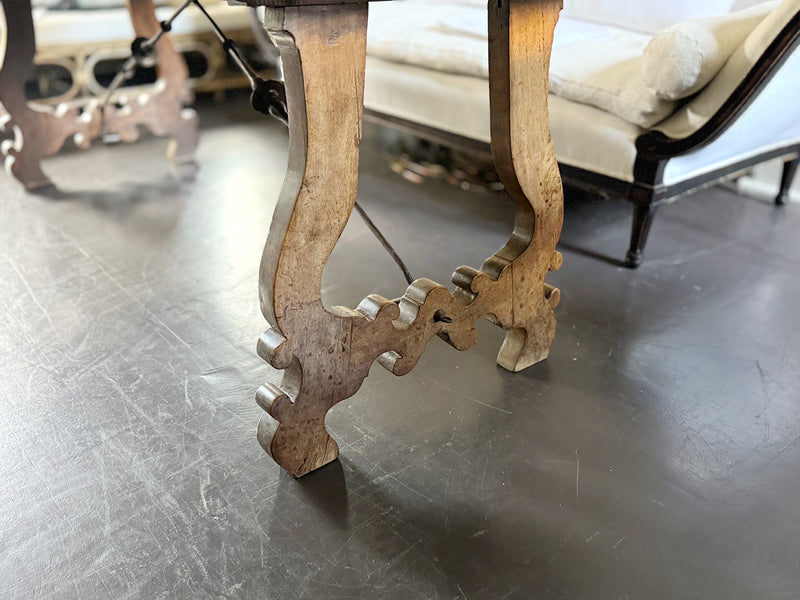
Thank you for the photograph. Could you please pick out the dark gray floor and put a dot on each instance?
(656, 454)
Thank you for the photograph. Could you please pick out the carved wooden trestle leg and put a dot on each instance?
(327, 352)
(39, 131)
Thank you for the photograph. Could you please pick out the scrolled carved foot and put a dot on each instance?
(524, 348)
(533, 328)
(37, 134)
(296, 440)
(298, 449)
(17, 162)
(26, 171)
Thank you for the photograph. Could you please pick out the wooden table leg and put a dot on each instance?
(39, 131)
(327, 352)
(520, 42)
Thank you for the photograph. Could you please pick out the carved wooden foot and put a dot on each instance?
(643, 213)
(327, 352)
(39, 131)
(36, 131)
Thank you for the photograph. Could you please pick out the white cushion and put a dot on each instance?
(682, 59)
(693, 115)
(410, 33)
(768, 123)
(583, 136)
(446, 101)
(591, 63)
(649, 16)
(600, 65)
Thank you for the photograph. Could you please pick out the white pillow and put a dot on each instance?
(599, 65)
(683, 58)
(591, 63)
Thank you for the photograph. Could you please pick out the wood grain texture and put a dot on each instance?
(39, 131)
(323, 50)
(327, 352)
(520, 43)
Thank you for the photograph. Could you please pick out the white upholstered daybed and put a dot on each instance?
(649, 99)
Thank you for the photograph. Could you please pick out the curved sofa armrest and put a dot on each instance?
(665, 140)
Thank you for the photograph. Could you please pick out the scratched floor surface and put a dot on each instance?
(655, 455)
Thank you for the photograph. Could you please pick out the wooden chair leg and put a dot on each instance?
(643, 212)
(789, 171)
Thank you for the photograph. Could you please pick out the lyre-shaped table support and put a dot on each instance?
(327, 352)
(39, 131)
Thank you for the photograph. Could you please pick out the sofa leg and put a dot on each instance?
(789, 171)
(642, 218)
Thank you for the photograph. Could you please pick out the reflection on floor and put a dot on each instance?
(656, 454)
